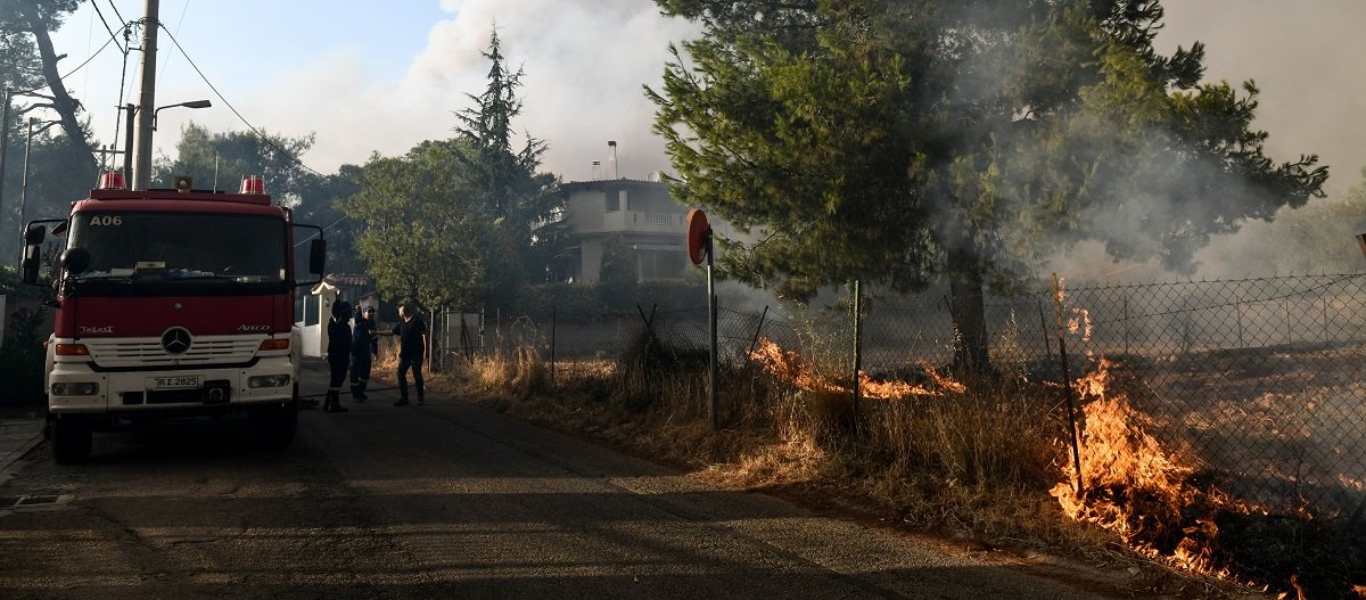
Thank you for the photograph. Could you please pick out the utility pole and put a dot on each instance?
(4, 144)
(128, 144)
(142, 165)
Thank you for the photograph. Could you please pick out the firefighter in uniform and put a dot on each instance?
(338, 353)
(364, 349)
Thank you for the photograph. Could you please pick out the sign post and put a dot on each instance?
(699, 243)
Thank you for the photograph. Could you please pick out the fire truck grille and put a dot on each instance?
(142, 353)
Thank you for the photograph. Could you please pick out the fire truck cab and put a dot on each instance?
(171, 303)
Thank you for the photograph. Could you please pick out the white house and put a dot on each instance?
(650, 222)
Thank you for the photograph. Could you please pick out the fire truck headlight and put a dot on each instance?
(83, 388)
(268, 381)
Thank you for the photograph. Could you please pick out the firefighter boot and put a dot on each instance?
(334, 401)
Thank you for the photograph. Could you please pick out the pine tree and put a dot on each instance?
(956, 140)
(519, 205)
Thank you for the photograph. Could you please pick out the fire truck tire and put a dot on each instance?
(275, 425)
(71, 439)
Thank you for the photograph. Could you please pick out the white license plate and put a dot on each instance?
(173, 383)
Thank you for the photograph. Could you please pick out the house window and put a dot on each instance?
(613, 203)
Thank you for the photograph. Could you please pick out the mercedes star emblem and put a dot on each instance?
(176, 340)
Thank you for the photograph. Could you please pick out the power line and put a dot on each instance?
(63, 78)
(185, 9)
(264, 137)
(71, 72)
(112, 35)
(116, 11)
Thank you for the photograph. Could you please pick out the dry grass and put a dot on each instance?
(974, 463)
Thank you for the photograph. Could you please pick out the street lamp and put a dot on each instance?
(128, 140)
(4, 141)
(23, 181)
(5, 101)
(190, 104)
(28, 150)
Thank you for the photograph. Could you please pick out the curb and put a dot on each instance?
(17, 437)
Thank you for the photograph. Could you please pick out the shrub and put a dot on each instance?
(21, 359)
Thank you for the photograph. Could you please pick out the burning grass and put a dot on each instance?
(978, 461)
(1162, 505)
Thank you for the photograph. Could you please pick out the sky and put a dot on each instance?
(367, 77)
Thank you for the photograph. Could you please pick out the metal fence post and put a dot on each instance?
(858, 348)
(1067, 384)
(552, 346)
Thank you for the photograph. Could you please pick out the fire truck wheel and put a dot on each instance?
(275, 425)
(71, 439)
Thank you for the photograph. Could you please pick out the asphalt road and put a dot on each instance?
(442, 501)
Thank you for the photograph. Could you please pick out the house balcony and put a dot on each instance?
(630, 221)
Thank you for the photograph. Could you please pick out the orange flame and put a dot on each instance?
(1131, 486)
(788, 366)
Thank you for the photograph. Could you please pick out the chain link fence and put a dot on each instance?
(1259, 382)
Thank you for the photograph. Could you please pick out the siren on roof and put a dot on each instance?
(111, 180)
(253, 185)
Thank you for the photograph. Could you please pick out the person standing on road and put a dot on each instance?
(364, 349)
(412, 352)
(338, 353)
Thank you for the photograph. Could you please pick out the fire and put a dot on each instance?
(1131, 486)
(788, 366)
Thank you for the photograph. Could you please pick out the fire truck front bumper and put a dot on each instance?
(78, 389)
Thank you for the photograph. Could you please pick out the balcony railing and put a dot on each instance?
(638, 221)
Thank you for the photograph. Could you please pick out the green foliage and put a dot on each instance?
(21, 359)
(59, 173)
(571, 303)
(524, 232)
(619, 269)
(1317, 238)
(895, 143)
(319, 204)
(221, 160)
(30, 67)
(421, 232)
(565, 302)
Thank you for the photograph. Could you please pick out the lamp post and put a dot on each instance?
(23, 183)
(190, 104)
(4, 142)
(132, 109)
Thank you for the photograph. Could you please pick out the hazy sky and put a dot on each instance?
(1304, 56)
(381, 77)
(367, 76)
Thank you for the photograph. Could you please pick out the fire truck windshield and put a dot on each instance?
(179, 251)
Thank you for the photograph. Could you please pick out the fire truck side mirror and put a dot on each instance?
(33, 249)
(317, 257)
(35, 234)
(30, 264)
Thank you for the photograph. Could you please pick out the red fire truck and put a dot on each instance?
(171, 303)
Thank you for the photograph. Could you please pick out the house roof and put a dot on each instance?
(348, 279)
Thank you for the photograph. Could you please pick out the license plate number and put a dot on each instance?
(170, 383)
